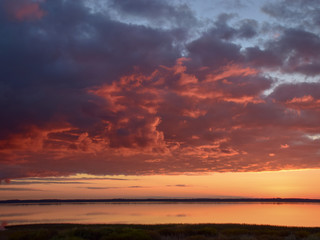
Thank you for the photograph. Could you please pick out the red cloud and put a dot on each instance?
(305, 102)
(171, 121)
(231, 70)
(24, 9)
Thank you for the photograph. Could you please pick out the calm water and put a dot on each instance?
(287, 214)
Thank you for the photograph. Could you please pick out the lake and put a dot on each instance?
(283, 214)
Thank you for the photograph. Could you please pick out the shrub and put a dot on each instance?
(301, 233)
(196, 237)
(38, 234)
(235, 231)
(128, 234)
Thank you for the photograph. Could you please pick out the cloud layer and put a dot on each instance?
(83, 91)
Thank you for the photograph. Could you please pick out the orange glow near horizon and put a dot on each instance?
(283, 184)
(158, 213)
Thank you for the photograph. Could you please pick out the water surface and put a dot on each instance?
(285, 214)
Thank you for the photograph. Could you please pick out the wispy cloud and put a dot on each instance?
(19, 189)
(100, 188)
(13, 182)
(179, 185)
(105, 188)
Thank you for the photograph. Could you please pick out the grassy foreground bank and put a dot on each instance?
(158, 232)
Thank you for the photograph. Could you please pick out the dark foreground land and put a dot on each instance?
(158, 232)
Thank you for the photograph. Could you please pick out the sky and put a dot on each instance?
(156, 98)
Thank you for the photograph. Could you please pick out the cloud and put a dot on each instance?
(105, 188)
(83, 92)
(201, 49)
(178, 185)
(15, 215)
(100, 188)
(68, 65)
(300, 12)
(243, 29)
(135, 134)
(284, 146)
(236, 4)
(177, 215)
(80, 178)
(99, 213)
(45, 182)
(297, 46)
(19, 189)
(159, 12)
(22, 10)
(299, 93)
(294, 51)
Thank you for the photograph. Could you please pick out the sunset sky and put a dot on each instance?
(156, 98)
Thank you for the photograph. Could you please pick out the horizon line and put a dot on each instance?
(173, 200)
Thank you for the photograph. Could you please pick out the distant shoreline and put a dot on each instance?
(173, 200)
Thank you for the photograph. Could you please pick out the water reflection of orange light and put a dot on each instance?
(157, 213)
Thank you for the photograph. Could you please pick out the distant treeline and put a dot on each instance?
(172, 200)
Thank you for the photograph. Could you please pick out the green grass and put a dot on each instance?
(158, 232)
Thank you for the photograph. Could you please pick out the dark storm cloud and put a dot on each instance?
(48, 64)
(293, 51)
(263, 58)
(300, 50)
(295, 44)
(288, 91)
(301, 12)
(248, 28)
(244, 29)
(215, 48)
(210, 51)
(157, 11)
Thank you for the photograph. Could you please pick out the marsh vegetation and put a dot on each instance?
(158, 232)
